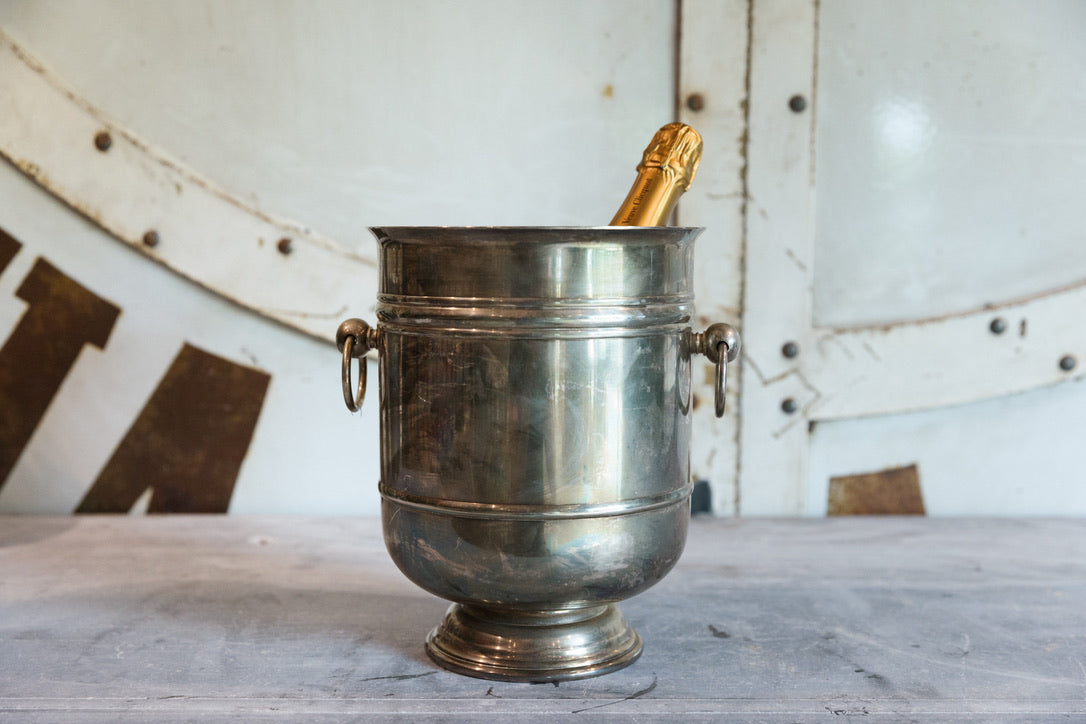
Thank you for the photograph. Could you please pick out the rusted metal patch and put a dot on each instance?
(188, 443)
(62, 317)
(887, 492)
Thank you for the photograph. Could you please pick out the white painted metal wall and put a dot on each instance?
(928, 190)
(961, 160)
(229, 119)
(927, 185)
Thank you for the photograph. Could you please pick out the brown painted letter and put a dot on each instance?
(63, 316)
(189, 441)
(9, 247)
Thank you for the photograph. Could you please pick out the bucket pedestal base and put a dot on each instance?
(533, 646)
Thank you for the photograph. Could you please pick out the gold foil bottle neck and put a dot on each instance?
(667, 169)
(676, 148)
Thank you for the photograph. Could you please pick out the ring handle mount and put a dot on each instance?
(355, 338)
(709, 343)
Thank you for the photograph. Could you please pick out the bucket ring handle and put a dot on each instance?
(354, 338)
(709, 343)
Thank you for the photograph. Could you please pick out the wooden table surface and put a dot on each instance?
(118, 618)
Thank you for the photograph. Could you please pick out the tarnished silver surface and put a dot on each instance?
(535, 430)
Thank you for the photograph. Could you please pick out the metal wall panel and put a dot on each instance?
(889, 191)
(911, 233)
(236, 124)
(950, 152)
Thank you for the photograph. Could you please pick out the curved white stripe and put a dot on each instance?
(205, 234)
(948, 360)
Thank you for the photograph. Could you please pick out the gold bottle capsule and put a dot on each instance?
(666, 170)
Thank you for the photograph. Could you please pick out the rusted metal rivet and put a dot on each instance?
(285, 246)
(789, 405)
(790, 350)
(998, 325)
(150, 238)
(695, 102)
(1067, 363)
(797, 103)
(102, 141)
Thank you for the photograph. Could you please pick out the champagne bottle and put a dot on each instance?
(666, 170)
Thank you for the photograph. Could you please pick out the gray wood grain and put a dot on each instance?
(118, 618)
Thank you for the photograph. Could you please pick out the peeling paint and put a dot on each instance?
(813, 105)
(795, 260)
(744, 175)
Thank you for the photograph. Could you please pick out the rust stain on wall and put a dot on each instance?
(188, 443)
(887, 492)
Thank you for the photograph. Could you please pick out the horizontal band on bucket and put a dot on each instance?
(488, 313)
(558, 302)
(527, 512)
(546, 334)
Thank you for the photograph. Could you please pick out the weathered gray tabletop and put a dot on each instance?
(172, 618)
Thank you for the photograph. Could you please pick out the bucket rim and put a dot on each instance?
(540, 235)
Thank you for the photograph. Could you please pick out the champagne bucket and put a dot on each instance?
(535, 430)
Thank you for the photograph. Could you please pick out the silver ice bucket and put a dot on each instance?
(535, 432)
